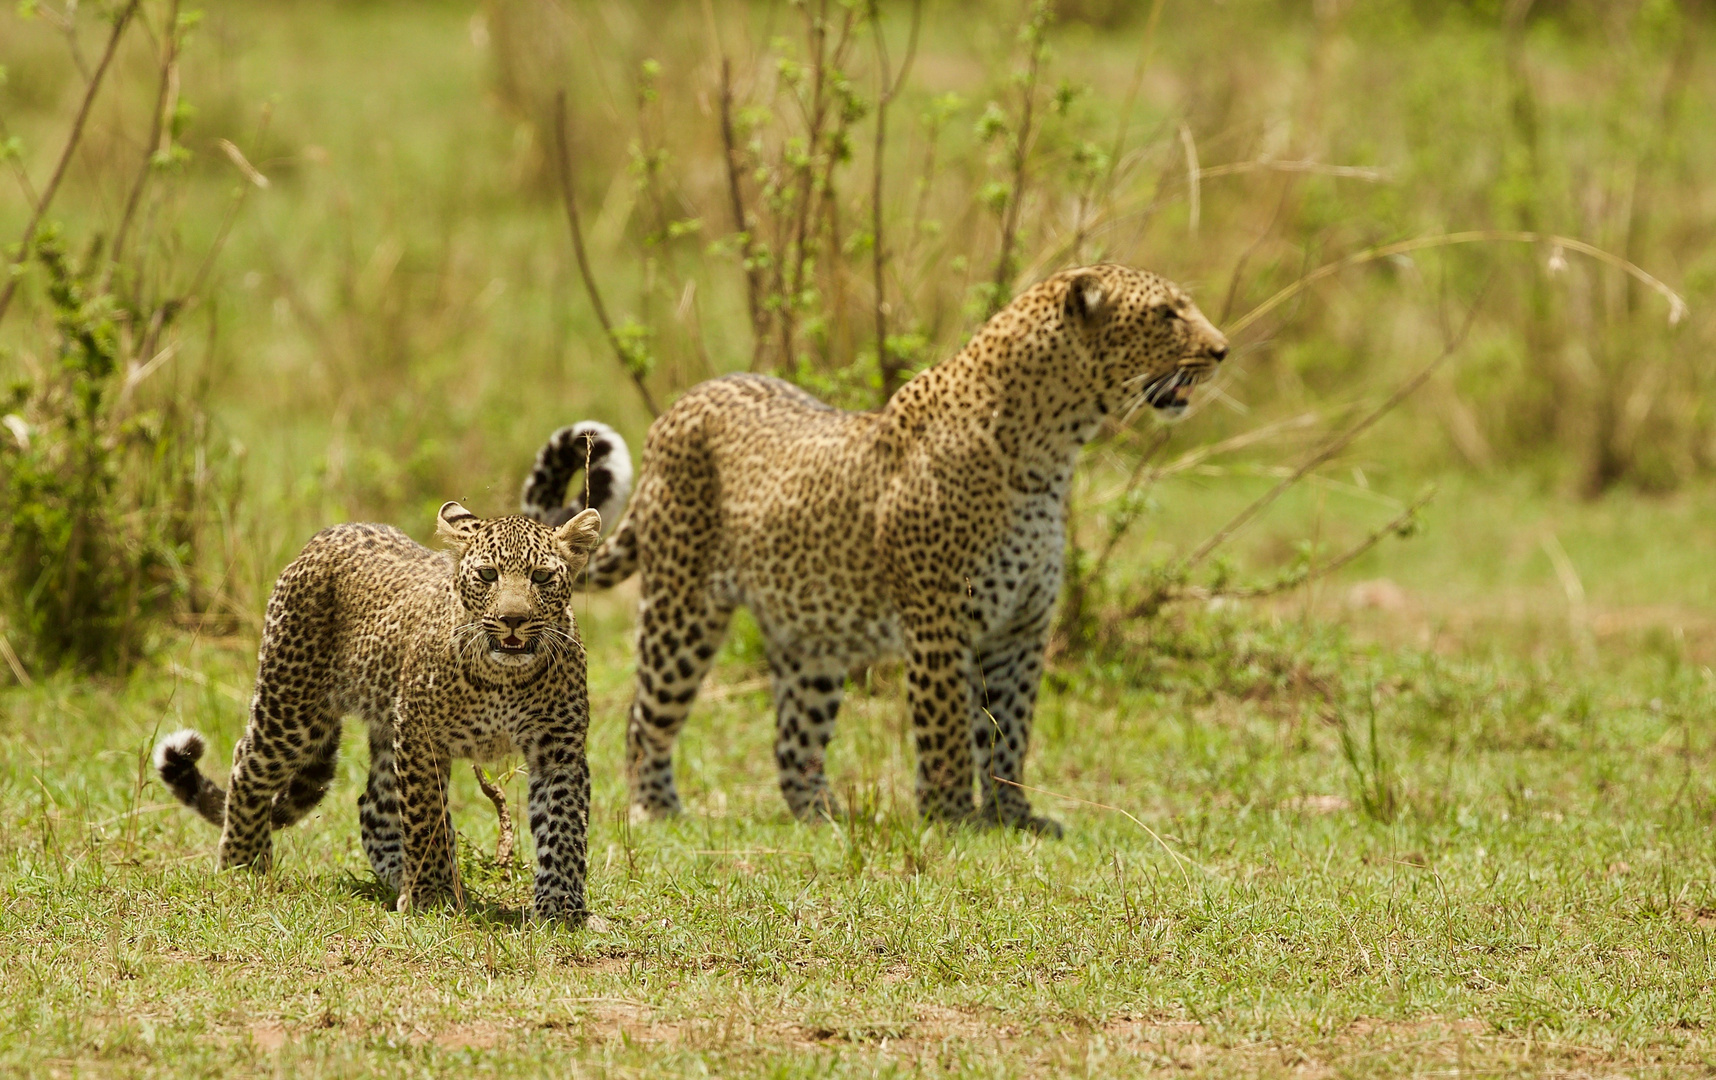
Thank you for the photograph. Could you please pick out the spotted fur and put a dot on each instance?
(932, 529)
(471, 652)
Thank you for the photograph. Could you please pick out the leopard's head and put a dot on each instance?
(1144, 339)
(514, 578)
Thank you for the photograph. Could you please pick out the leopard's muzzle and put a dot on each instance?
(510, 635)
(1171, 391)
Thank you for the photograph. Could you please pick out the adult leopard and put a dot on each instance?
(933, 528)
(470, 653)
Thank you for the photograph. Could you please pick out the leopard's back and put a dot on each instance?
(346, 608)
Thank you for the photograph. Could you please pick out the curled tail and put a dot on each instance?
(589, 447)
(176, 758)
(549, 496)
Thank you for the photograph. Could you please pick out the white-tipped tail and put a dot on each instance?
(184, 745)
(590, 447)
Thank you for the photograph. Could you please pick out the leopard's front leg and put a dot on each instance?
(430, 875)
(938, 669)
(560, 826)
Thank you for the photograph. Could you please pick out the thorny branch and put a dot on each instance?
(1399, 525)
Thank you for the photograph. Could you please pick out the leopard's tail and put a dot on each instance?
(552, 498)
(176, 758)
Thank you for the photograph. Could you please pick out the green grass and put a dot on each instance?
(1532, 892)
(1447, 811)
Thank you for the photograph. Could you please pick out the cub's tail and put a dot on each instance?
(176, 758)
(552, 498)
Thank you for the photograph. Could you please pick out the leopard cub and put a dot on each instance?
(471, 652)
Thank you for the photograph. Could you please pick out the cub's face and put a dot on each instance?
(514, 577)
(1149, 344)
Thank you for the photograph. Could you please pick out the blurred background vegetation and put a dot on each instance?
(309, 262)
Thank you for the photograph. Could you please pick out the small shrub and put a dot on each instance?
(99, 496)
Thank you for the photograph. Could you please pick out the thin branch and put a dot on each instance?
(1180, 861)
(742, 224)
(72, 140)
(1316, 168)
(564, 164)
(1037, 29)
(1332, 447)
(1677, 308)
(169, 57)
(1394, 526)
(886, 362)
(790, 270)
(18, 169)
(1251, 249)
(1120, 130)
(1193, 189)
(1129, 513)
(195, 293)
(1106, 187)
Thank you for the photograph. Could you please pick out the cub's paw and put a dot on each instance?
(1041, 826)
(421, 898)
(995, 817)
(820, 809)
(642, 813)
(568, 911)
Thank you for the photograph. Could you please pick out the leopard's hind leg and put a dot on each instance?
(1005, 679)
(807, 698)
(284, 762)
(679, 630)
(378, 810)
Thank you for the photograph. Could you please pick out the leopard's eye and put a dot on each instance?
(1167, 312)
(542, 577)
(488, 573)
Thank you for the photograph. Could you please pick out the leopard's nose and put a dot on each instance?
(513, 622)
(1218, 352)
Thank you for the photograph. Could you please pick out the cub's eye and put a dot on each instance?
(542, 577)
(488, 573)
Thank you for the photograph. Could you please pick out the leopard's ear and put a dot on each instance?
(1087, 301)
(455, 525)
(580, 535)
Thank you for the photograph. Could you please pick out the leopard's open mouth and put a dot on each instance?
(1171, 391)
(512, 645)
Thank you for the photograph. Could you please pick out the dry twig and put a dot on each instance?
(504, 845)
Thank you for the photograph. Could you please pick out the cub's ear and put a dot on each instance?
(1087, 301)
(455, 524)
(580, 535)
